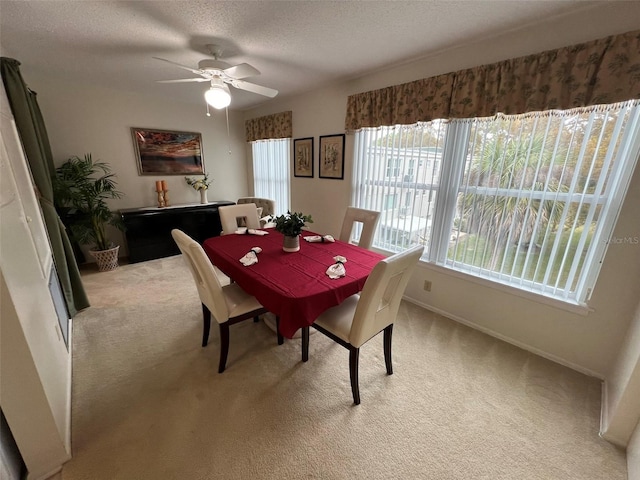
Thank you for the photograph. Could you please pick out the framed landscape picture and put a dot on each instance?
(332, 156)
(303, 157)
(167, 152)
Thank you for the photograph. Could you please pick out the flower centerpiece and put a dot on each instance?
(290, 225)
(201, 185)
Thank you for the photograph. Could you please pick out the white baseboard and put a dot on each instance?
(612, 439)
(504, 338)
(604, 403)
(67, 437)
(604, 420)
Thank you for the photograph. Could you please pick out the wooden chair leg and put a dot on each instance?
(280, 337)
(354, 355)
(224, 346)
(305, 344)
(206, 319)
(388, 332)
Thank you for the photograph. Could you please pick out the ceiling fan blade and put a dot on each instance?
(242, 70)
(252, 87)
(192, 70)
(182, 80)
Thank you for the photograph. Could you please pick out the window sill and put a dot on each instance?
(567, 305)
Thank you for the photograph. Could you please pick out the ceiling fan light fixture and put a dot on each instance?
(218, 95)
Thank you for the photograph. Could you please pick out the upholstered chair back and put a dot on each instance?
(268, 206)
(234, 216)
(207, 283)
(381, 295)
(369, 220)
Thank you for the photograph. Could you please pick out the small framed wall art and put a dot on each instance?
(332, 156)
(167, 152)
(303, 157)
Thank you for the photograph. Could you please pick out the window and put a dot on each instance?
(393, 169)
(525, 200)
(271, 171)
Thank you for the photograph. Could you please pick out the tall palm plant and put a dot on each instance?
(81, 188)
(505, 165)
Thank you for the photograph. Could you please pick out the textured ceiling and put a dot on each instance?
(296, 45)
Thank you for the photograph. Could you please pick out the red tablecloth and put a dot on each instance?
(293, 286)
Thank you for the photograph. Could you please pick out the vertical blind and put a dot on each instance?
(525, 200)
(271, 171)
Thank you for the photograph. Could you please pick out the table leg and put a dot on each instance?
(270, 321)
(305, 344)
(280, 337)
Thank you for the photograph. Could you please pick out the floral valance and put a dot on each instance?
(601, 71)
(277, 125)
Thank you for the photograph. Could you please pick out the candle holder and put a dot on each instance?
(166, 197)
(161, 203)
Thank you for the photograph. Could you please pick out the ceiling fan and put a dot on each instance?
(219, 74)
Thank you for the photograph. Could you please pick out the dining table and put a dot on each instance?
(294, 286)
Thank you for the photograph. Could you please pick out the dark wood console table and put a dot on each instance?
(148, 230)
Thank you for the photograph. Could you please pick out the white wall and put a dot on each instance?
(633, 455)
(84, 118)
(588, 343)
(621, 408)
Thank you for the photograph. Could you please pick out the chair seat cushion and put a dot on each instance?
(238, 301)
(338, 319)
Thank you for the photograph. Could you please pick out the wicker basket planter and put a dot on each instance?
(106, 259)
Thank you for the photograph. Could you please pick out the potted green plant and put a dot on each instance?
(290, 225)
(81, 188)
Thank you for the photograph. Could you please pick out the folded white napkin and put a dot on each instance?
(250, 231)
(337, 269)
(319, 238)
(251, 257)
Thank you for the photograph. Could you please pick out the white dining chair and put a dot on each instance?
(369, 220)
(228, 304)
(234, 216)
(266, 209)
(268, 206)
(362, 316)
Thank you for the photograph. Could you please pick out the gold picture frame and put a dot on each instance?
(167, 152)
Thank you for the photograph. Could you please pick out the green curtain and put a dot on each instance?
(35, 142)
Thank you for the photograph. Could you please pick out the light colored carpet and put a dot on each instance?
(148, 402)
